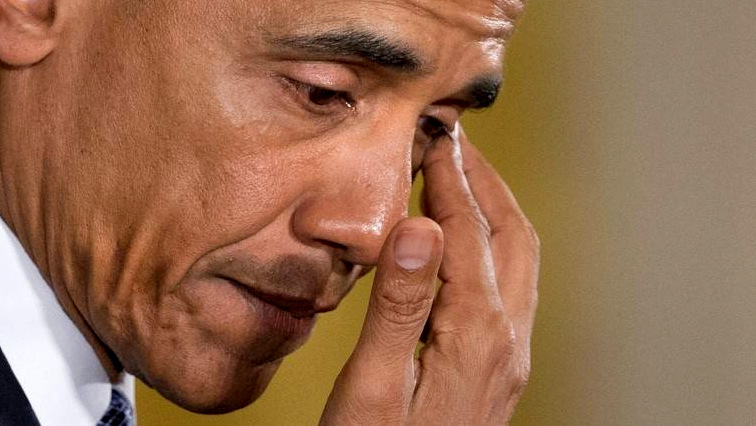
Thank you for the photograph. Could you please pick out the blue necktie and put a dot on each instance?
(119, 412)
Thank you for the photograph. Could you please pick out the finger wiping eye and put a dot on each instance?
(466, 267)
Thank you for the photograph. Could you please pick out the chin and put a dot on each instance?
(213, 389)
(206, 372)
(211, 348)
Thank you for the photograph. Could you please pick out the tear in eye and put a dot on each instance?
(322, 97)
(433, 128)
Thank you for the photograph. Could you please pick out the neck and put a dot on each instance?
(31, 305)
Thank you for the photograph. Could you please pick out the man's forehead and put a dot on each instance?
(355, 38)
(486, 18)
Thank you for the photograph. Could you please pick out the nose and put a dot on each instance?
(362, 193)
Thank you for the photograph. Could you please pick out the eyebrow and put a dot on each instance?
(364, 45)
(386, 53)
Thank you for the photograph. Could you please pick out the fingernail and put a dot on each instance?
(413, 248)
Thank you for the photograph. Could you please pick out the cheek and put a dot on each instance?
(162, 171)
(162, 327)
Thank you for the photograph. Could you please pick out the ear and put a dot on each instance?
(27, 34)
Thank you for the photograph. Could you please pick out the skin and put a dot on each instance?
(194, 203)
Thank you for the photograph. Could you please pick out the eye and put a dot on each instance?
(320, 96)
(320, 100)
(433, 128)
(429, 130)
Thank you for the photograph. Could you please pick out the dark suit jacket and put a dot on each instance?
(15, 409)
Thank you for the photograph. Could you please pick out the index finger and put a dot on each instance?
(467, 265)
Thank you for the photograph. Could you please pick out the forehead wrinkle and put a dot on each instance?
(509, 9)
(497, 21)
(506, 14)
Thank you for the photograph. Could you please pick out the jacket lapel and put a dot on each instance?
(15, 409)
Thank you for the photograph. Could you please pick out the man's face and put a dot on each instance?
(224, 170)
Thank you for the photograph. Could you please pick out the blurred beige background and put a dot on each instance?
(628, 131)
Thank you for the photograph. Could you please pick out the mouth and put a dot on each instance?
(287, 315)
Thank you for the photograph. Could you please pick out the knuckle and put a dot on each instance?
(466, 217)
(454, 339)
(379, 395)
(460, 334)
(370, 399)
(520, 380)
(504, 339)
(491, 334)
(403, 307)
(523, 232)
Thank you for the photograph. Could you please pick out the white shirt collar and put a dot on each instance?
(58, 370)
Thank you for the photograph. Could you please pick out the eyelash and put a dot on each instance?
(318, 99)
(308, 95)
(434, 128)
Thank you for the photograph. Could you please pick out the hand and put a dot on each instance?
(476, 362)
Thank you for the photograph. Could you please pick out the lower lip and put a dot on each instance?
(275, 319)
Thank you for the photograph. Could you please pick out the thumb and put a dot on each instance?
(402, 293)
(379, 376)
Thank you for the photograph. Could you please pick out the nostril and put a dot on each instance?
(349, 267)
(332, 244)
(342, 264)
